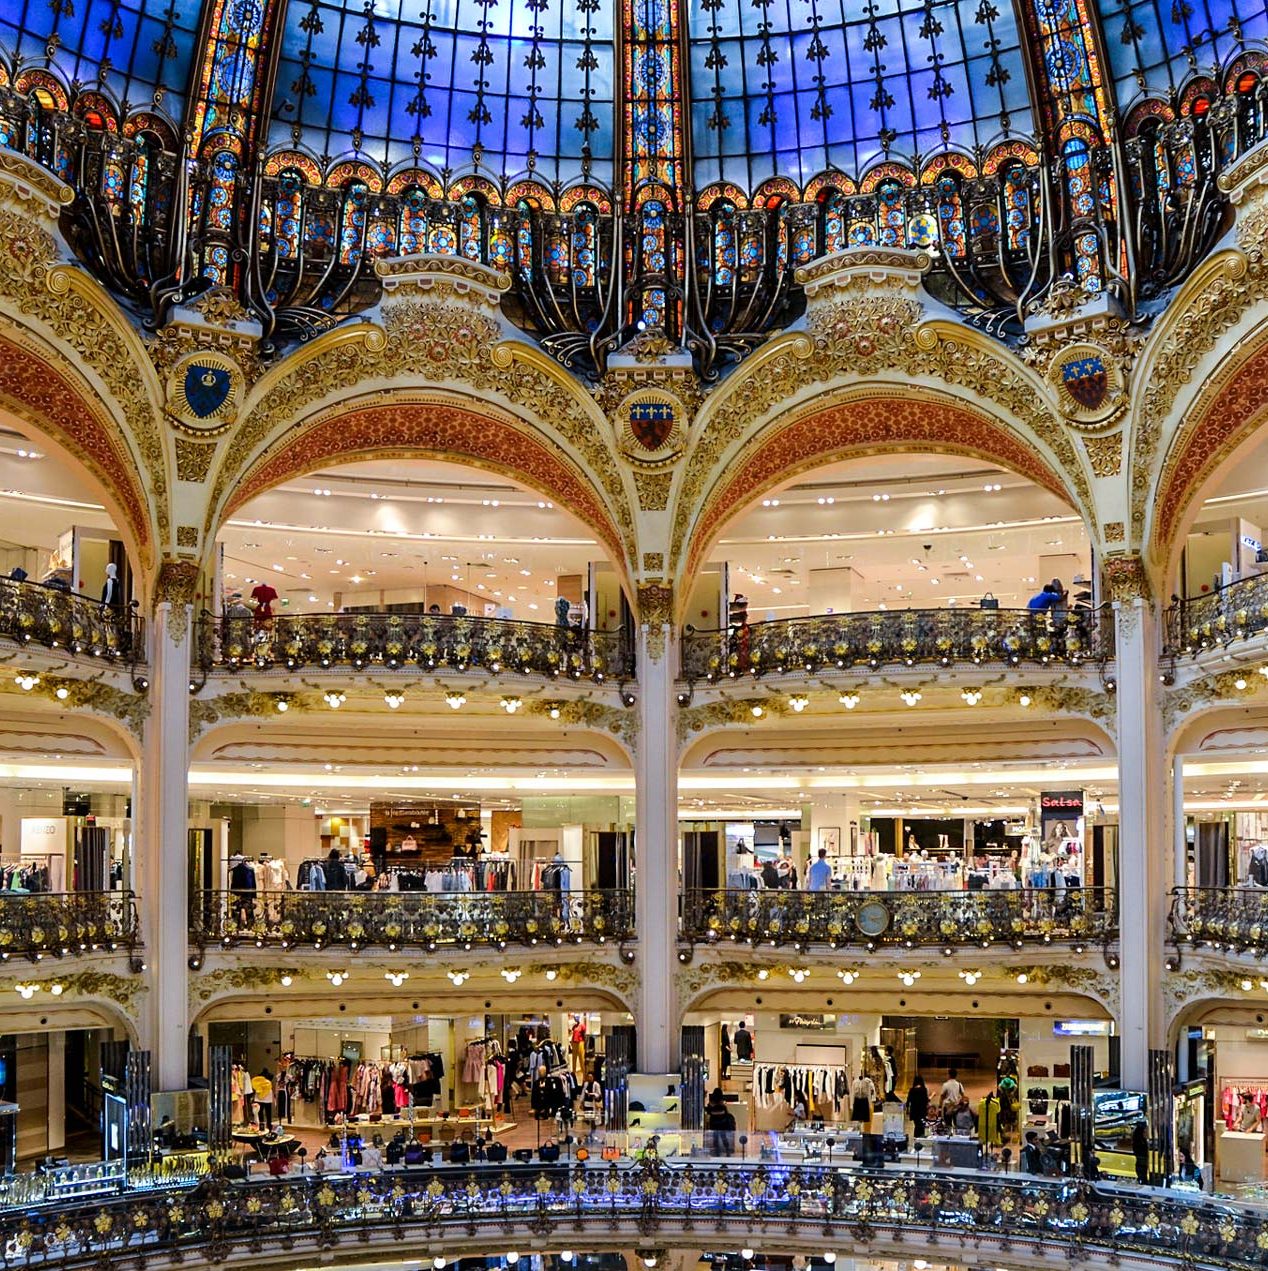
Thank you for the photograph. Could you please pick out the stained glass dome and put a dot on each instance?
(772, 88)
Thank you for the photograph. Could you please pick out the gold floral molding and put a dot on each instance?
(653, 489)
(1211, 302)
(620, 979)
(1095, 704)
(1126, 578)
(656, 613)
(704, 976)
(1183, 700)
(177, 582)
(1114, 531)
(867, 331)
(620, 722)
(693, 720)
(204, 985)
(1105, 454)
(1182, 988)
(1102, 985)
(203, 713)
(122, 990)
(131, 709)
(83, 316)
(453, 343)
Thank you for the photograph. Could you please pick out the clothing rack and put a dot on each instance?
(817, 1085)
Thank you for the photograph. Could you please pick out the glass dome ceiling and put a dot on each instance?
(783, 88)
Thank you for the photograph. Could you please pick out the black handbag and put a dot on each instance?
(496, 1152)
(989, 601)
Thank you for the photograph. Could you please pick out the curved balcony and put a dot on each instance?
(1218, 619)
(898, 638)
(62, 924)
(1231, 918)
(1028, 1216)
(409, 920)
(1079, 917)
(35, 615)
(429, 642)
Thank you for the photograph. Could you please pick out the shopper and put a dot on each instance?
(336, 875)
(262, 1088)
(962, 1120)
(862, 1097)
(952, 1093)
(1032, 1155)
(1140, 1150)
(1049, 597)
(918, 1105)
(715, 1114)
(1249, 1118)
(819, 875)
(726, 1053)
(743, 1044)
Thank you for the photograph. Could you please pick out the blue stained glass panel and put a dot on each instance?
(148, 45)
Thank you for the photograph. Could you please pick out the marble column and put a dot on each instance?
(656, 848)
(1143, 878)
(160, 811)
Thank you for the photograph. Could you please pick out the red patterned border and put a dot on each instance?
(1232, 414)
(405, 429)
(39, 395)
(869, 425)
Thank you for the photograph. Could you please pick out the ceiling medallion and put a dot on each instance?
(203, 391)
(1088, 383)
(650, 427)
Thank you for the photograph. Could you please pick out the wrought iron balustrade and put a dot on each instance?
(58, 924)
(588, 271)
(409, 919)
(1235, 918)
(31, 614)
(430, 642)
(824, 1204)
(902, 919)
(1217, 619)
(903, 637)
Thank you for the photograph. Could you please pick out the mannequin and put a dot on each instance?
(111, 590)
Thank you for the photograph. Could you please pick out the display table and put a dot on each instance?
(1241, 1157)
(956, 1153)
(266, 1148)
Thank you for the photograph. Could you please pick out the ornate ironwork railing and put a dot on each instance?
(950, 919)
(59, 924)
(904, 637)
(1230, 917)
(298, 243)
(1216, 620)
(431, 642)
(410, 920)
(31, 614)
(823, 1204)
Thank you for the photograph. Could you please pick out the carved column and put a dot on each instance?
(160, 818)
(656, 833)
(1143, 879)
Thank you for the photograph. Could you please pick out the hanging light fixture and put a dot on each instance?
(394, 698)
(335, 699)
(910, 695)
(456, 699)
(798, 702)
(849, 700)
(511, 704)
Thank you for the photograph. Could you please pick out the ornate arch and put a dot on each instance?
(73, 424)
(866, 420)
(1222, 423)
(435, 427)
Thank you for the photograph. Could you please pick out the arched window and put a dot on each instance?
(891, 214)
(951, 227)
(651, 248)
(224, 177)
(1017, 210)
(501, 247)
(832, 221)
(352, 223)
(289, 207)
(1077, 160)
(139, 180)
(585, 241)
(524, 240)
(471, 229)
(724, 253)
(413, 227)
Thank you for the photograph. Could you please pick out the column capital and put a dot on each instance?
(1126, 578)
(655, 615)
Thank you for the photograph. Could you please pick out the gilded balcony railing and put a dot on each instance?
(1078, 916)
(430, 642)
(903, 637)
(1235, 918)
(826, 1204)
(1217, 619)
(31, 614)
(60, 924)
(409, 919)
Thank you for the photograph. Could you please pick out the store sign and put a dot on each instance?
(1061, 803)
(1083, 1028)
(819, 1023)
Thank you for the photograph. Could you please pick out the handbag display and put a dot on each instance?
(1060, 1070)
(1037, 1070)
(989, 601)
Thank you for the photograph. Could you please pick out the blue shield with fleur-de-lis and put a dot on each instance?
(1086, 380)
(206, 389)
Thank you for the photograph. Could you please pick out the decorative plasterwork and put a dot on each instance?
(1102, 985)
(621, 723)
(203, 393)
(622, 980)
(727, 712)
(1087, 382)
(656, 614)
(1105, 454)
(1126, 578)
(1181, 702)
(204, 712)
(865, 340)
(436, 336)
(1182, 989)
(124, 991)
(1212, 302)
(205, 985)
(79, 313)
